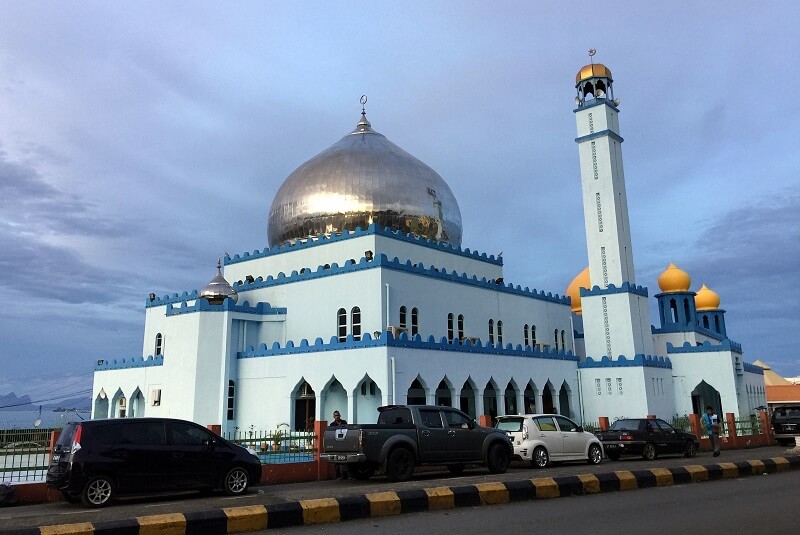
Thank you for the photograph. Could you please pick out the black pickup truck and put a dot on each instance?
(407, 436)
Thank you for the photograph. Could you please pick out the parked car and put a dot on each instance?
(407, 436)
(648, 437)
(94, 461)
(786, 424)
(542, 438)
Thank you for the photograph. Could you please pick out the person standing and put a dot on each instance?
(339, 469)
(711, 423)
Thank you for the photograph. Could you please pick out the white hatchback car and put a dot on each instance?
(542, 438)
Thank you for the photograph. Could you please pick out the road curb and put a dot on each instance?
(328, 510)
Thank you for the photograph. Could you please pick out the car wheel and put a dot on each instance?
(595, 454)
(691, 449)
(614, 456)
(99, 491)
(649, 452)
(400, 465)
(70, 497)
(361, 471)
(456, 469)
(498, 459)
(540, 457)
(236, 481)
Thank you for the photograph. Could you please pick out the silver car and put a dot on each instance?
(542, 438)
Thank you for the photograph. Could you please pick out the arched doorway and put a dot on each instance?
(703, 395)
(510, 396)
(101, 405)
(136, 404)
(548, 406)
(529, 397)
(467, 398)
(305, 406)
(444, 395)
(563, 400)
(490, 400)
(416, 393)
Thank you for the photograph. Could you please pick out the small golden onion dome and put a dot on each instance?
(706, 299)
(574, 290)
(674, 279)
(218, 289)
(592, 71)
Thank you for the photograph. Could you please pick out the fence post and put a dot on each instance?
(766, 428)
(319, 432)
(694, 422)
(731, 419)
(215, 428)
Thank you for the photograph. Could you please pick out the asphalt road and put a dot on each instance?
(62, 513)
(766, 504)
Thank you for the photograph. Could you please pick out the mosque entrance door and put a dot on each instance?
(305, 406)
(704, 395)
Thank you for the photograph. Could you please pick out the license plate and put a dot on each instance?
(611, 446)
(341, 457)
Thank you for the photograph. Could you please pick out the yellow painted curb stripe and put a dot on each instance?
(757, 467)
(440, 498)
(492, 493)
(320, 511)
(169, 524)
(546, 487)
(627, 481)
(729, 470)
(698, 473)
(68, 529)
(591, 485)
(663, 477)
(781, 464)
(246, 518)
(383, 503)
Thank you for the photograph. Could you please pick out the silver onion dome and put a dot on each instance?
(362, 179)
(218, 289)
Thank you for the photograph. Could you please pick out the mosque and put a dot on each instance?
(366, 297)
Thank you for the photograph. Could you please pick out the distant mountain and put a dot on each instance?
(10, 402)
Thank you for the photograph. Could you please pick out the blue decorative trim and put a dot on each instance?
(202, 305)
(135, 362)
(640, 360)
(706, 347)
(372, 229)
(415, 342)
(753, 368)
(610, 133)
(625, 287)
(592, 103)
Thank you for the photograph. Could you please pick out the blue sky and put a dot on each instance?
(139, 141)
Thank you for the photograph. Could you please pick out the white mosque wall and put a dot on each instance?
(716, 368)
(628, 326)
(614, 392)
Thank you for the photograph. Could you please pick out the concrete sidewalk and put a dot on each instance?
(348, 507)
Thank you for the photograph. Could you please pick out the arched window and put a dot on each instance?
(563, 339)
(414, 321)
(705, 321)
(231, 398)
(716, 323)
(555, 335)
(533, 335)
(461, 326)
(159, 344)
(686, 310)
(499, 332)
(355, 319)
(673, 310)
(491, 331)
(450, 328)
(341, 319)
(525, 332)
(402, 317)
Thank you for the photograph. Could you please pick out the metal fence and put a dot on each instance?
(279, 446)
(24, 454)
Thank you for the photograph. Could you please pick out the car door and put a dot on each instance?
(433, 438)
(574, 440)
(196, 457)
(673, 442)
(466, 439)
(141, 457)
(547, 432)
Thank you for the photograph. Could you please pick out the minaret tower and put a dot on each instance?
(615, 314)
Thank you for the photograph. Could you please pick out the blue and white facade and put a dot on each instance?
(352, 319)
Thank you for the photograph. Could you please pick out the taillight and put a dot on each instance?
(76, 440)
(626, 436)
(524, 432)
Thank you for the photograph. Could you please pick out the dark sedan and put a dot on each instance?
(646, 437)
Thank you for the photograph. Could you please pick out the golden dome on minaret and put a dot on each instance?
(593, 70)
(706, 299)
(574, 290)
(674, 279)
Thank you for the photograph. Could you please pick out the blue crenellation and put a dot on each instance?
(372, 229)
(753, 368)
(202, 305)
(625, 287)
(133, 362)
(725, 345)
(639, 360)
(414, 342)
(683, 328)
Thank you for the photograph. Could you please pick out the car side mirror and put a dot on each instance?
(209, 443)
(473, 424)
(580, 429)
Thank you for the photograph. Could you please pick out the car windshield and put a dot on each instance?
(625, 425)
(510, 424)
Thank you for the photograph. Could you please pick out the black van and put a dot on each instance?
(96, 460)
